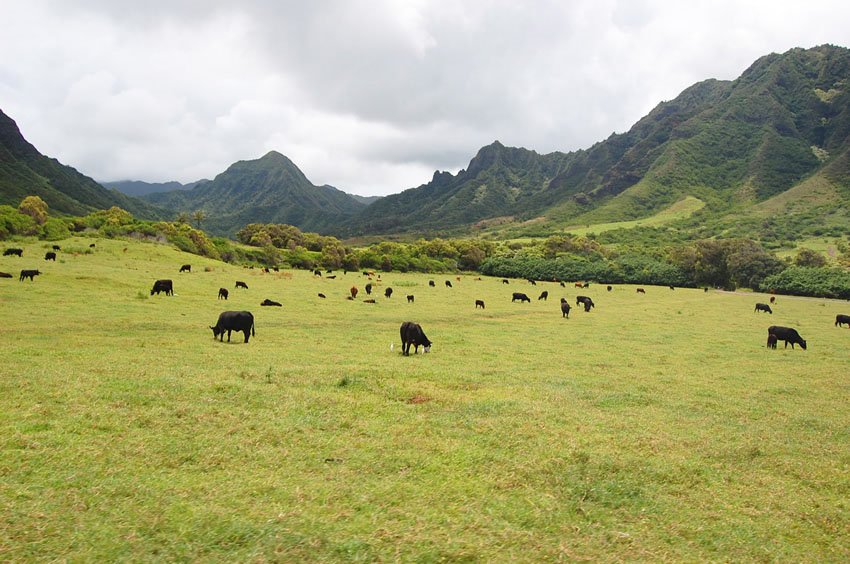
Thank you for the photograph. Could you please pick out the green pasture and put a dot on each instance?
(682, 209)
(655, 427)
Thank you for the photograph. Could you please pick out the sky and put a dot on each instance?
(370, 96)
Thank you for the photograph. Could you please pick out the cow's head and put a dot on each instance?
(215, 331)
(426, 346)
(803, 343)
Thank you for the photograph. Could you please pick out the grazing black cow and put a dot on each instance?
(321, 295)
(331, 277)
(705, 289)
(609, 288)
(268, 302)
(369, 301)
(771, 341)
(50, 255)
(368, 289)
(432, 284)
(317, 272)
(586, 285)
(544, 295)
(29, 274)
(505, 281)
(521, 297)
(410, 299)
(388, 293)
(773, 299)
(640, 291)
(565, 308)
(448, 283)
(5, 275)
(479, 303)
(763, 307)
(57, 248)
(234, 321)
(92, 246)
(163, 286)
(533, 283)
(15, 252)
(788, 335)
(186, 268)
(276, 269)
(672, 287)
(222, 293)
(842, 319)
(412, 334)
(240, 284)
(585, 301)
(266, 269)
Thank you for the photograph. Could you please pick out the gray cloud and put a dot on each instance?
(370, 96)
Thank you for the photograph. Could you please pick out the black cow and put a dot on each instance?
(505, 281)
(544, 296)
(240, 284)
(50, 255)
(448, 283)
(842, 319)
(388, 293)
(317, 272)
(268, 302)
(763, 307)
(672, 287)
(92, 246)
(331, 277)
(521, 297)
(29, 274)
(5, 275)
(368, 289)
(705, 289)
(16, 252)
(788, 335)
(222, 293)
(57, 248)
(771, 341)
(369, 301)
(563, 285)
(186, 268)
(234, 321)
(410, 299)
(609, 288)
(412, 334)
(432, 284)
(532, 282)
(565, 308)
(640, 291)
(163, 286)
(479, 303)
(321, 295)
(585, 301)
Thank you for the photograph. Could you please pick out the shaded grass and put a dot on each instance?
(654, 427)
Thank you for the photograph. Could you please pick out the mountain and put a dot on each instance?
(267, 190)
(782, 127)
(25, 172)
(139, 188)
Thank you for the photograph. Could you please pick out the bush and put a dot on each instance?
(808, 281)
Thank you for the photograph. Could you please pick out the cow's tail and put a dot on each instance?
(253, 334)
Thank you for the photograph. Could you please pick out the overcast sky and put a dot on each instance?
(370, 96)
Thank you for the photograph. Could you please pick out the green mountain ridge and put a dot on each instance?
(270, 189)
(24, 171)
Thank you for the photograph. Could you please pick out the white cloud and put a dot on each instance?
(370, 96)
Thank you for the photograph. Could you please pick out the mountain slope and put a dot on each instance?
(24, 172)
(138, 188)
(732, 144)
(267, 190)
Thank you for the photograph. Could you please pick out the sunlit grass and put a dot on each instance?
(657, 426)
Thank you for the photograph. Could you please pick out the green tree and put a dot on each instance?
(34, 207)
(199, 216)
(808, 257)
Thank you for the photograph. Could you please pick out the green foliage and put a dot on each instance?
(34, 207)
(808, 281)
(810, 258)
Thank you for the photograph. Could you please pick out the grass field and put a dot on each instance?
(655, 427)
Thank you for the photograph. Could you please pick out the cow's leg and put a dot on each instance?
(228, 335)
(247, 331)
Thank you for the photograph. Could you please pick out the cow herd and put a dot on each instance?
(411, 333)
